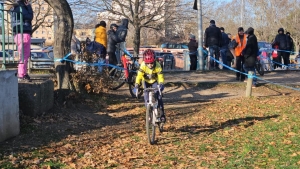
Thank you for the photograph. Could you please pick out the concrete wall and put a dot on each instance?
(36, 97)
(9, 105)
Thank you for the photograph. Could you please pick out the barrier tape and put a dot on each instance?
(252, 76)
(89, 64)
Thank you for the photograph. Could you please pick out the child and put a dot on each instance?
(151, 73)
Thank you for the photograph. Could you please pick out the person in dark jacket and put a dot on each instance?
(112, 40)
(291, 46)
(24, 38)
(224, 47)
(250, 53)
(193, 46)
(121, 35)
(281, 40)
(213, 40)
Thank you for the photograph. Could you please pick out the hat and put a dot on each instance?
(102, 23)
(249, 31)
(221, 28)
(192, 36)
(281, 29)
(288, 33)
(212, 22)
(240, 29)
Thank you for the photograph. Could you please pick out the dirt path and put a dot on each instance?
(108, 131)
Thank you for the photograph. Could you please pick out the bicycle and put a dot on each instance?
(125, 73)
(259, 67)
(153, 113)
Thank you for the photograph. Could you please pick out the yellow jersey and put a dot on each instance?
(150, 75)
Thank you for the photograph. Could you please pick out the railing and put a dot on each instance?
(8, 48)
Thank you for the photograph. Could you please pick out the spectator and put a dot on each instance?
(229, 55)
(250, 53)
(291, 46)
(112, 41)
(25, 7)
(193, 46)
(241, 40)
(75, 48)
(224, 47)
(121, 35)
(283, 46)
(101, 37)
(213, 40)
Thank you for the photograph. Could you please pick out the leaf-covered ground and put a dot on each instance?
(109, 132)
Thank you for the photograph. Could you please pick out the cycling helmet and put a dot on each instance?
(149, 56)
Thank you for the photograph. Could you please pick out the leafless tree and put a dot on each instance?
(41, 12)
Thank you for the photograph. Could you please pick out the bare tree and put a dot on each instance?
(41, 12)
(141, 14)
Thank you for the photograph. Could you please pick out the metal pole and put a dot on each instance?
(3, 36)
(200, 33)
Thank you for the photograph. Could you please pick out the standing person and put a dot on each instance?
(250, 53)
(212, 40)
(193, 46)
(27, 30)
(121, 35)
(229, 55)
(282, 41)
(101, 37)
(112, 40)
(291, 47)
(241, 41)
(224, 47)
(75, 48)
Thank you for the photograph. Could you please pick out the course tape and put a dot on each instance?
(252, 76)
(65, 58)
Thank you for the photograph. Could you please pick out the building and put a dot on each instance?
(82, 34)
(43, 16)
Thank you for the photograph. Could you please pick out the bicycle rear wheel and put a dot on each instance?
(259, 68)
(150, 126)
(116, 78)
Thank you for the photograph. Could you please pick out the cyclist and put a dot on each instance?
(150, 73)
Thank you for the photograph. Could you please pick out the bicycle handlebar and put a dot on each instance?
(126, 52)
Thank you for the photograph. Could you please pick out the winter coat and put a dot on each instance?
(225, 41)
(212, 36)
(282, 41)
(291, 44)
(193, 46)
(240, 44)
(27, 18)
(250, 51)
(112, 40)
(101, 36)
(122, 30)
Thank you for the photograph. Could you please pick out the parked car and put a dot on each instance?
(166, 60)
(8, 57)
(40, 59)
(174, 47)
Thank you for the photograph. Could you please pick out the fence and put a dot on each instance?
(10, 22)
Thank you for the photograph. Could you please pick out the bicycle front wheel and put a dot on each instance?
(150, 126)
(131, 83)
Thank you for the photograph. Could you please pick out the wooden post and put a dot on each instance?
(249, 84)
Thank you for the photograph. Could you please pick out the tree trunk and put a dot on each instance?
(63, 32)
(137, 40)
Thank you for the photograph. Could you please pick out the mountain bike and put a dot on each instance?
(125, 73)
(153, 114)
